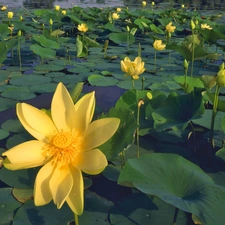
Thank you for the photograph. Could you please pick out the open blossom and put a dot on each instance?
(3, 8)
(82, 27)
(10, 15)
(57, 7)
(115, 16)
(158, 45)
(170, 28)
(132, 68)
(205, 26)
(66, 144)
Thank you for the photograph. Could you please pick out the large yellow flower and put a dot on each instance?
(158, 45)
(170, 28)
(133, 68)
(82, 27)
(65, 146)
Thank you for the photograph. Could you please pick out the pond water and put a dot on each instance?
(203, 4)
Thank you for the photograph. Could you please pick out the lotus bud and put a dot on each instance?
(19, 33)
(153, 3)
(221, 66)
(10, 15)
(185, 64)
(51, 22)
(144, 3)
(21, 18)
(220, 78)
(182, 6)
(63, 12)
(140, 103)
(57, 7)
(192, 25)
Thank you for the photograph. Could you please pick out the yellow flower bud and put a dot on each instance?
(3, 8)
(10, 15)
(21, 18)
(19, 33)
(57, 7)
(51, 22)
(182, 6)
(144, 3)
(63, 12)
(220, 78)
(192, 25)
(153, 3)
(118, 9)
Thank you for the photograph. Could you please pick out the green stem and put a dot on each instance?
(138, 125)
(175, 216)
(133, 83)
(193, 52)
(214, 111)
(155, 61)
(193, 134)
(76, 219)
(19, 55)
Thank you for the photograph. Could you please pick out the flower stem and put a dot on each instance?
(155, 61)
(18, 50)
(214, 111)
(76, 219)
(141, 102)
(193, 52)
(133, 83)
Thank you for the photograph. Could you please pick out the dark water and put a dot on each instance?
(198, 4)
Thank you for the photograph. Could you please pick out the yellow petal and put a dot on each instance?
(60, 185)
(35, 121)
(99, 132)
(75, 199)
(25, 155)
(84, 109)
(92, 162)
(42, 193)
(123, 66)
(63, 109)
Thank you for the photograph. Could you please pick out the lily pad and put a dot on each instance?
(99, 80)
(3, 134)
(178, 182)
(29, 80)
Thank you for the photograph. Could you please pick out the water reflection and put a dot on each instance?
(199, 4)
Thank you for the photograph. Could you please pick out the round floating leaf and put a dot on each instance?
(55, 74)
(111, 173)
(69, 79)
(49, 67)
(178, 182)
(29, 80)
(3, 134)
(178, 110)
(18, 93)
(44, 88)
(8, 205)
(30, 214)
(140, 209)
(6, 104)
(13, 125)
(99, 80)
(22, 195)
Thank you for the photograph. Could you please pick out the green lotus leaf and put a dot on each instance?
(99, 80)
(178, 182)
(45, 53)
(3, 134)
(122, 38)
(178, 110)
(45, 42)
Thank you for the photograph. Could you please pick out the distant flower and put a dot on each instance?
(170, 28)
(10, 15)
(132, 68)
(50, 22)
(118, 9)
(158, 45)
(115, 16)
(63, 12)
(57, 7)
(82, 27)
(144, 3)
(205, 26)
(153, 3)
(65, 146)
(182, 6)
(3, 8)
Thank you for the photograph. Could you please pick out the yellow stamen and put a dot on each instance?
(63, 147)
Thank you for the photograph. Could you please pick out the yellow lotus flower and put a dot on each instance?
(115, 16)
(63, 12)
(118, 9)
(205, 26)
(144, 3)
(57, 7)
(10, 15)
(153, 3)
(182, 6)
(158, 45)
(132, 68)
(170, 28)
(82, 27)
(3, 8)
(66, 145)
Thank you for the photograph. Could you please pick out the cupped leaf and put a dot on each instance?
(45, 53)
(178, 182)
(122, 38)
(178, 110)
(45, 42)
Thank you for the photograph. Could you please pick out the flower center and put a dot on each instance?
(64, 147)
